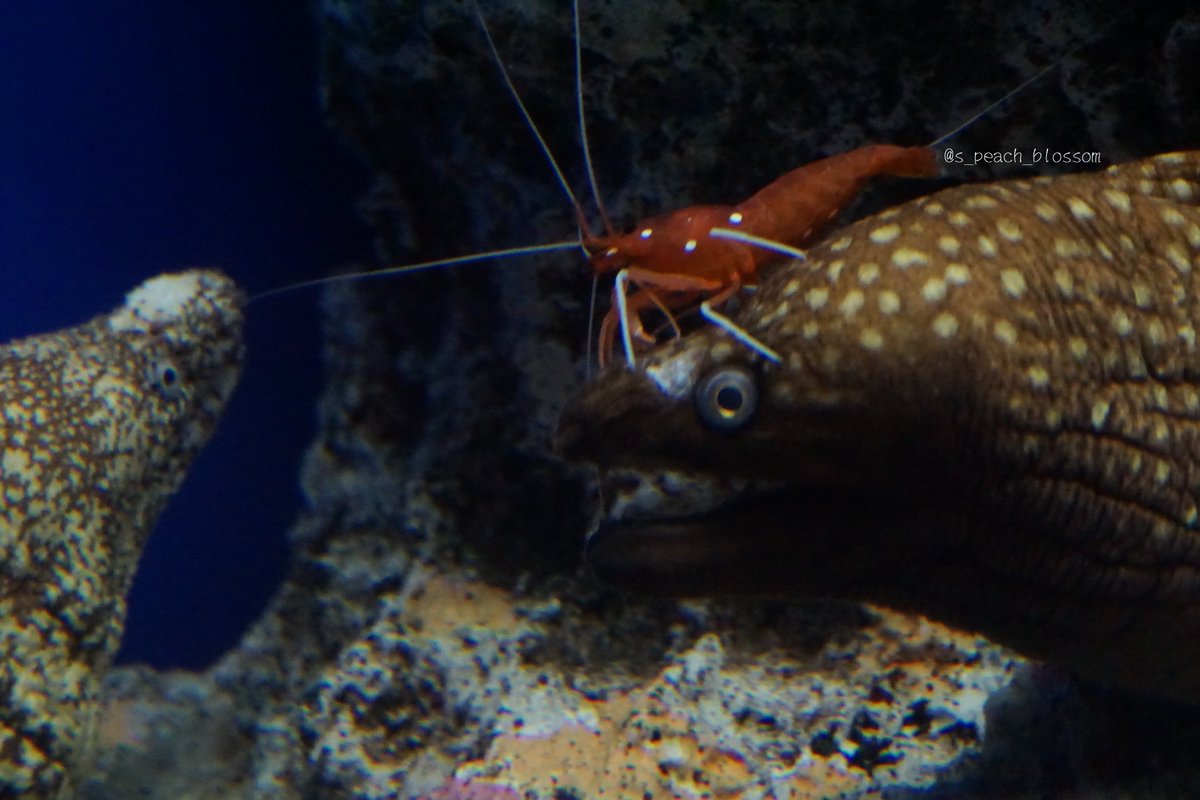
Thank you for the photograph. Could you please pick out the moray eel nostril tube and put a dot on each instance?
(99, 425)
(987, 411)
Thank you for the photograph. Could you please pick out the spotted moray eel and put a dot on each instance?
(988, 412)
(100, 423)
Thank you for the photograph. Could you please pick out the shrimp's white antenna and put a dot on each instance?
(507, 252)
(512, 90)
(1030, 80)
(583, 135)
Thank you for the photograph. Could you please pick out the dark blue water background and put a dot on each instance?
(142, 137)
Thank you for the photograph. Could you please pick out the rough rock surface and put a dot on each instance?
(437, 635)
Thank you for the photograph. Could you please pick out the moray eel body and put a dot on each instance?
(100, 423)
(988, 412)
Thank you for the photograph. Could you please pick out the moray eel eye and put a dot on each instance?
(165, 376)
(727, 398)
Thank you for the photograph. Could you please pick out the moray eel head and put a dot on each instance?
(987, 411)
(722, 473)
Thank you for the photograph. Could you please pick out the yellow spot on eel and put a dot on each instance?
(988, 476)
(98, 425)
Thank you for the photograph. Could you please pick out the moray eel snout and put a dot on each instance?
(987, 411)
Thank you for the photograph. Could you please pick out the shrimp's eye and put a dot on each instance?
(727, 398)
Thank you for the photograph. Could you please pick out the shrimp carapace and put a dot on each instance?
(676, 261)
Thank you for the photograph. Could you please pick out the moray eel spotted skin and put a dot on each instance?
(988, 412)
(100, 423)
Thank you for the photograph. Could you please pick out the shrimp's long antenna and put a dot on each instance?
(1036, 76)
(512, 89)
(1030, 80)
(507, 252)
(587, 356)
(583, 135)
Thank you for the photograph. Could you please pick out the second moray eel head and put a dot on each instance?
(988, 411)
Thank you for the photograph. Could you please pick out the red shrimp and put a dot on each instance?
(688, 255)
(699, 256)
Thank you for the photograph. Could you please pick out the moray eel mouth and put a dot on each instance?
(694, 505)
(673, 551)
(670, 534)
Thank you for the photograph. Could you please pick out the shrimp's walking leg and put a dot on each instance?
(630, 323)
(619, 289)
(732, 328)
(758, 241)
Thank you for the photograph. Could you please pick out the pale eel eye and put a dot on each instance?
(166, 378)
(727, 398)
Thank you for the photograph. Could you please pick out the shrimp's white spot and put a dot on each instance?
(689, 246)
(646, 233)
(736, 218)
(610, 252)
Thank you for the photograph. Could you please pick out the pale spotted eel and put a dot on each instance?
(100, 423)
